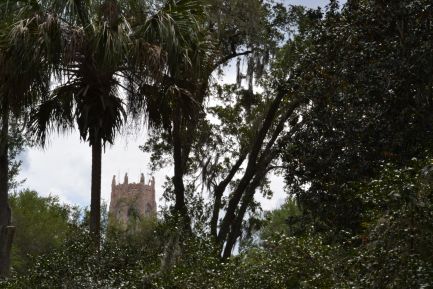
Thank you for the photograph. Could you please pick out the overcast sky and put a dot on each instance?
(63, 167)
(308, 3)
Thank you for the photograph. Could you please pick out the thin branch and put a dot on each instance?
(125, 88)
(231, 56)
(280, 126)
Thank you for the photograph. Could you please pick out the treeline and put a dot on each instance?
(337, 100)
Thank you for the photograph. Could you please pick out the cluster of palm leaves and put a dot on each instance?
(80, 64)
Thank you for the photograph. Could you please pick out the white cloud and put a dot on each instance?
(64, 167)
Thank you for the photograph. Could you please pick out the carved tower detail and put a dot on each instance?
(132, 201)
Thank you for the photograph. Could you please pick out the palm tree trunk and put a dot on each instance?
(180, 208)
(6, 231)
(95, 202)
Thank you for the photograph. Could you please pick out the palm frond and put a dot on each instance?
(174, 28)
(54, 114)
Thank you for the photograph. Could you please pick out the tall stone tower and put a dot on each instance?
(132, 201)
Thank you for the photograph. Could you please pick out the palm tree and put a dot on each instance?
(23, 79)
(103, 43)
(174, 100)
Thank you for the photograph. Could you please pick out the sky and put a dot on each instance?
(308, 3)
(63, 167)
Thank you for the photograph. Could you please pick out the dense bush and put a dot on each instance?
(394, 251)
(398, 247)
(121, 262)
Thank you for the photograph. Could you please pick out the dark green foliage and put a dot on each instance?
(368, 76)
(285, 263)
(42, 225)
(393, 251)
(122, 261)
(397, 250)
(286, 220)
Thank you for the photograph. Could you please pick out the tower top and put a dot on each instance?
(133, 201)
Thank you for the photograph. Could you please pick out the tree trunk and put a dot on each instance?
(95, 202)
(236, 226)
(255, 150)
(6, 238)
(180, 208)
(6, 234)
(254, 158)
(219, 192)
